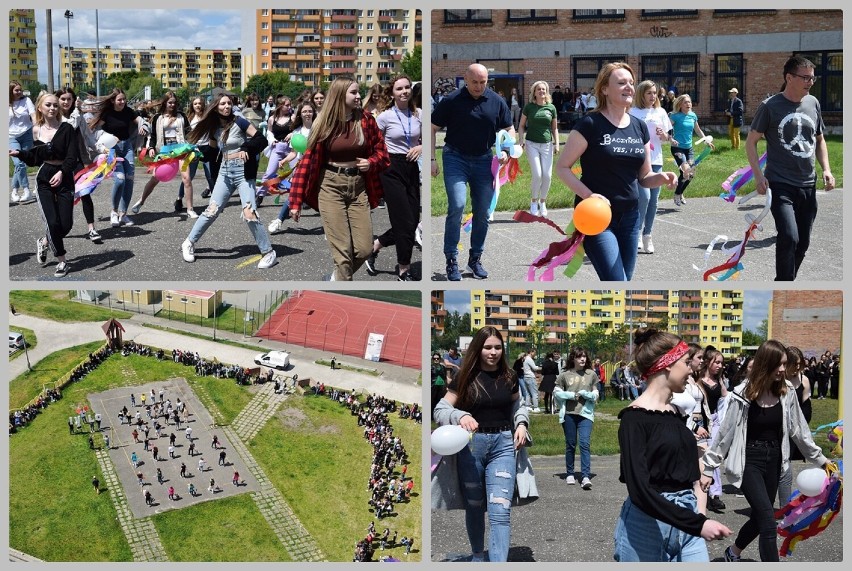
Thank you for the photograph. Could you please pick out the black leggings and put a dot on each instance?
(761, 475)
(57, 207)
(401, 183)
(88, 208)
(687, 156)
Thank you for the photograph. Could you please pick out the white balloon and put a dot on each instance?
(708, 139)
(517, 151)
(108, 140)
(811, 482)
(450, 439)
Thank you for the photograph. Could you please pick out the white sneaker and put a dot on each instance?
(14, 196)
(640, 246)
(542, 209)
(188, 250)
(647, 243)
(491, 217)
(536, 409)
(268, 260)
(275, 226)
(41, 251)
(534, 208)
(570, 480)
(25, 195)
(136, 208)
(191, 213)
(114, 220)
(126, 221)
(418, 235)
(678, 200)
(587, 484)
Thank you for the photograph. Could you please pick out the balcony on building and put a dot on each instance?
(337, 70)
(395, 57)
(343, 31)
(392, 32)
(341, 57)
(343, 44)
(344, 17)
(382, 44)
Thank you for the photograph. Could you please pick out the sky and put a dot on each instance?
(755, 305)
(141, 29)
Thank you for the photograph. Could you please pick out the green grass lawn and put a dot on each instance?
(54, 515)
(323, 469)
(29, 338)
(57, 306)
(711, 173)
(549, 438)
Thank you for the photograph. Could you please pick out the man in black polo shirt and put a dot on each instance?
(472, 116)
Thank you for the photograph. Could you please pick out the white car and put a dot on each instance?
(274, 359)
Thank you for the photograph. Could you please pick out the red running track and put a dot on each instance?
(341, 324)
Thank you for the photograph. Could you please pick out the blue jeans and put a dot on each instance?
(459, 171)
(531, 391)
(487, 473)
(193, 168)
(122, 190)
(639, 537)
(648, 204)
(22, 142)
(574, 424)
(231, 177)
(613, 251)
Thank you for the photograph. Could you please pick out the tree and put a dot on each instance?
(750, 338)
(274, 83)
(455, 325)
(412, 63)
(763, 330)
(593, 339)
(537, 334)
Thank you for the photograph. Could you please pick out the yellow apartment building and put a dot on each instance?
(23, 65)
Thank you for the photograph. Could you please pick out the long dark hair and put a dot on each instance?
(67, 91)
(105, 104)
(578, 352)
(164, 103)
(466, 386)
(767, 359)
(211, 121)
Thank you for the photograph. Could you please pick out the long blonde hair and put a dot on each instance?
(40, 119)
(332, 121)
(547, 97)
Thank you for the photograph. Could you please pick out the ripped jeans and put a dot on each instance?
(487, 477)
(231, 177)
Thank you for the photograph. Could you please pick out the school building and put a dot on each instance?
(700, 52)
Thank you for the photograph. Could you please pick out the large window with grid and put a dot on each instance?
(673, 72)
(467, 16)
(729, 74)
(598, 14)
(828, 87)
(531, 15)
(586, 69)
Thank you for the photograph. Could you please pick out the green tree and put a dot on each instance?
(537, 334)
(137, 87)
(119, 80)
(593, 339)
(763, 330)
(751, 338)
(455, 325)
(274, 83)
(34, 87)
(412, 63)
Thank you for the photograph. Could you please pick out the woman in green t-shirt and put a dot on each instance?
(539, 124)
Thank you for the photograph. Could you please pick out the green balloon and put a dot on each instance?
(299, 143)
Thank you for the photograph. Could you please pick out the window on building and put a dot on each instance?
(264, 65)
(477, 322)
(598, 14)
(264, 12)
(477, 297)
(583, 313)
(675, 72)
(531, 15)
(668, 13)
(264, 39)
(586, 69)
(369, 13)
(467, 16)
(729, 72)
(369, 52)
(828, 87)
(264, 25)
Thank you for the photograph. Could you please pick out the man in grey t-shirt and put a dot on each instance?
(530, 369)
(791, 122)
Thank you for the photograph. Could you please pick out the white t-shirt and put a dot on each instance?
(654, 117)
(20, 116)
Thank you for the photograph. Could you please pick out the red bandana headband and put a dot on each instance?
(666, 360)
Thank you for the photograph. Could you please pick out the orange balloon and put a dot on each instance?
(592, 216)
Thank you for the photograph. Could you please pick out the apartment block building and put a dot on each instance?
(317, 45)
(23, 64)
(705, 317)
(438, 313)
(197, 69)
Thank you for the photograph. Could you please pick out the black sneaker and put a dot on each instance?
(178, 205)
(206, 193)
(453, 273)
(371, 263)
(94, 236)
(475, 266)
(406, 277)
(730, 557)
(381, 203)
(61, 270)
(715, 504)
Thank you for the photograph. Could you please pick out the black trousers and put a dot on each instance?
(57, 207)
(794, 210)
(760, 486)
(401, 183)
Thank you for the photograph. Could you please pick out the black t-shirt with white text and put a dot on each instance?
(613, 158)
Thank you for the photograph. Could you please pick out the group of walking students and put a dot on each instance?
(355, 158)
(673, 439)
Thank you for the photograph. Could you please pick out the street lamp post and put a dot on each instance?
(68, 16)
(29, 367)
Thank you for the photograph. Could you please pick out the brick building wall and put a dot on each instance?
(764, 39)
(809, 319)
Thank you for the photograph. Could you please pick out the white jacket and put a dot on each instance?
(729, 445)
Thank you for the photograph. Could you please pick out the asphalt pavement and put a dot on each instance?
(150, 249)
(567, 523)
(680, 234)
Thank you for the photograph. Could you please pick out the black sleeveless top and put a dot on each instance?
(713, 396)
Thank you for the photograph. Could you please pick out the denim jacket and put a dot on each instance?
(729, 446)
